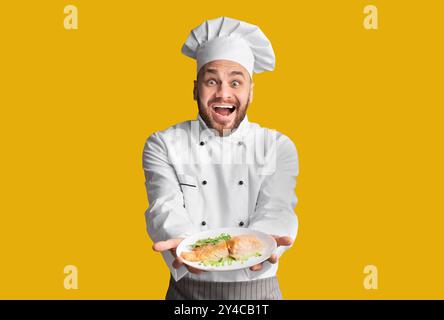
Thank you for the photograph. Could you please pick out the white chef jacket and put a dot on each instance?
(197, 180)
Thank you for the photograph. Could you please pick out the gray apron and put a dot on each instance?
(189, 289)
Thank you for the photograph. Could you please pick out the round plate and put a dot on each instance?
(268, 241)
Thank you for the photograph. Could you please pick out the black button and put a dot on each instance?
(240, 143)
(204, 182)
(202, 143)
(241, 223)
(241, 182)
(204, 223)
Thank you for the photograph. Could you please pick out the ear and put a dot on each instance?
(195, 90)
(250, 98)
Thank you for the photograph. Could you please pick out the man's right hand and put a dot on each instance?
(171, 245)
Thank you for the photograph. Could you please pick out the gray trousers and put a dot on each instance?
(189, 289)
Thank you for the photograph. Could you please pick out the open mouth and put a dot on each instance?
(224, 110)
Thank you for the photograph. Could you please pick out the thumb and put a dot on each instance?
(283, 241)
(167, 245)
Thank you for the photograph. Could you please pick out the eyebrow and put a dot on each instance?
(232, 73)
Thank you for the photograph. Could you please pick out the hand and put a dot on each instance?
(171, 245)
(281, 241)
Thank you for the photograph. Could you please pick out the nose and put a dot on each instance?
(224, 92)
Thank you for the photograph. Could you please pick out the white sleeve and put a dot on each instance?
(166, 217)
(274, 213)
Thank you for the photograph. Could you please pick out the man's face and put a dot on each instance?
(223, 91)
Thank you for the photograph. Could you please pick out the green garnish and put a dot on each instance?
(213, 241)
(248, 256)
(228, 260)
(219, 263)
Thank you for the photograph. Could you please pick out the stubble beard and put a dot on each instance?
(204, 113)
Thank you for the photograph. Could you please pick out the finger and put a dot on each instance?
(177, 263)
(166, 245)
(273, 258)
(194, 270)
(256, 267)
(283, 241)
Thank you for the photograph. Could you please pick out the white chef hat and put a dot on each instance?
(230, 39)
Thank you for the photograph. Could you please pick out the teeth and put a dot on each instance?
(225, 107)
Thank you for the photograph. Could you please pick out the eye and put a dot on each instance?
(235, 83)
(211, 82)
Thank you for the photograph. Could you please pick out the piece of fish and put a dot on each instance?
(244, 245)
(207, 253)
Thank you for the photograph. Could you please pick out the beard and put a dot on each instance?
(222, 130)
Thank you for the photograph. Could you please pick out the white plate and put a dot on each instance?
(268, 241)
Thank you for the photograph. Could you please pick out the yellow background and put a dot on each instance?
(364, 108)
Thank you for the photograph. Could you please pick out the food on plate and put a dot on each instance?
(224, 249)
(207, 252)
(243, 246)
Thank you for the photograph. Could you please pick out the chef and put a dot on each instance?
(221, 170)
